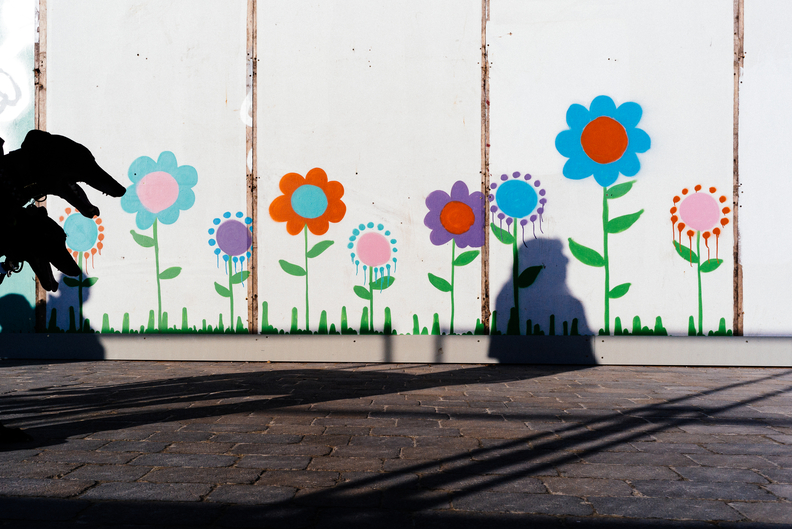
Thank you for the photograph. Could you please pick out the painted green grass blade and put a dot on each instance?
(619, 190)
(362, 292)
(528, 276)
(170, 273)
(710, 265)
(623, 223)
(239, 277)
(319, 248)
(382, 283)
(465, 258)
(502, 235)
(291, 269)
(439, 283)
(143, 240)
(223, 291)
(686, 253)
(619, 290)
(586, 255)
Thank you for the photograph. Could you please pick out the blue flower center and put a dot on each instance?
(81, 233)
(516, 198)
(309, 201)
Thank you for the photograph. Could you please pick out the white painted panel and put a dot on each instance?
(385, 98)
(673, 58)
(135, 78)
(766, 168)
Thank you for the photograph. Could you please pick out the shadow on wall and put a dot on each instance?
(16, 314)
(66, 305)
(546, 309)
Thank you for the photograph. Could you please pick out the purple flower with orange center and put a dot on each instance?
(459, 218)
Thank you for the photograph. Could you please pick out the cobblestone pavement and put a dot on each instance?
(349, 445)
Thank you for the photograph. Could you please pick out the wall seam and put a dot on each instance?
(40, 122)
(739, 56)
(252, 171)
(485, 173)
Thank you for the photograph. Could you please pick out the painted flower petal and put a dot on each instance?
(170, 215)
(436, 201)
(316, 177)
(577, 116)
(629, 164)
(440, 236)
(568, 143)
(167, 162)
(335, 212)
(140, 168)
(602, 106)
(333, 190)
(578, 168)
(606, 174)
(459, 191)
(144, 219)
(281, 211)
(130, 201)
(629, 114)
(295, 225)
(318, 226)
(474, 237)
(639, 140)
(290, 182)
(186, 176)
(186, 198)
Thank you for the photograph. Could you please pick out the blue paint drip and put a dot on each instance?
(382, 277)
(357, 265)
(394, 265)
(364, 274)
(388, 267)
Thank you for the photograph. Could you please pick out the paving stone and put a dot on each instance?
(274, 462)
(172, 492)
(340, 464)
(722, 475)
(780, 475)
(80, 456)
(51, 488)
(781, 461)
(462, 482)
(18, 454)
(675, 509)
(583, 487)
(782, 491)
(753, 449)
(660, 459)
(181, 436)
(16, 469)
(776, 513)
(265, 438)
(203, 475)
(527, 503)
(671, 448)
(200, 448)
(108, 473)
(379, 480)
(298, 449)
(79, 444)
(732, 461)
(630, 472)
(332, 440)
(410, 431)
(701, 490)
(134, 446)
(299, 478)
(184, 460)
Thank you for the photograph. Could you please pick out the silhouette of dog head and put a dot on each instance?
(46, 164)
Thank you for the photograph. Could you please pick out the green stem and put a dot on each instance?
(453, 251)
(159, 287)
(307, 324)
(230, 292)
(516, 274)
(371, 301)
(605, 256)
(79, 292)
(701, 308)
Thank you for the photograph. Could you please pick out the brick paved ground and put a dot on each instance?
(352, 445)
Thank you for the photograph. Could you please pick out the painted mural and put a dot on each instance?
(339, 221)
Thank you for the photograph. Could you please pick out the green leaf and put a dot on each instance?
(223, 291)
(170, 273)
(528, 276)
(439, 283)
(292, 269)
(710, 265)
(618, 291)
(502, 235)
(586, 255)
(239, 277)
(362, 292)
(466, 258)
(382, 283)
(144, 240)
(318, 248)
(620, 224)
(686, 253)
(619, 190)
(70, 281)
(89, 281)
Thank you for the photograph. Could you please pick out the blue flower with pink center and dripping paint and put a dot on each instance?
(518, 197)
(374, 249)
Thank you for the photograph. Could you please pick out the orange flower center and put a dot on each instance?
(604, 140)
(457, 217)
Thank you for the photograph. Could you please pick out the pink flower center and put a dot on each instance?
(373, 249)
(158, 191)
(700, 211)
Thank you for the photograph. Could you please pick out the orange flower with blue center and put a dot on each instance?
(308, 203)
(602, 141)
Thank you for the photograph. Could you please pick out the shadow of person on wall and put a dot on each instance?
(64, 307)
(547, 310)
(16, 314)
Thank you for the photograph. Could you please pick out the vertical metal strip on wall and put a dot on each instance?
(252, 172)
(739, 55)
(485, 174)
(40, 117)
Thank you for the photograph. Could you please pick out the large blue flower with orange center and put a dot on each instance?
(602, 141)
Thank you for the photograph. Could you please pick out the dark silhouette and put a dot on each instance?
(546, 309)
(46, 164)
(16, 314)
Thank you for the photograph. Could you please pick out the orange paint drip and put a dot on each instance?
(680, 227)
(690, 244)
(674, 219)
(716, 231)
(706, 236)
(697, 188)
